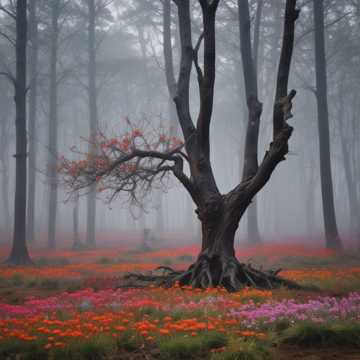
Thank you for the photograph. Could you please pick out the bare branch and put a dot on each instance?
(8, 38)
(251, 90)
(207, 85)
(168, 54)
(291, 15)
(183, 87)
(9, 76)
(250, 186)
(131, 164)
(196, 60)
(8, 12)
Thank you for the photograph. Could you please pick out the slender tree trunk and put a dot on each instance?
(76, 236)
(169, 68)
(94, 122)
(53, 118)
(353, 203)
(19, 252)
(331, 231)
(349, 178)
(4, 159)
(32, 121)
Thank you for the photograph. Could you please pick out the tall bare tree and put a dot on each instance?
(331, 231)
(19, 252)
(93, 118)
(33, 27)
(127, 166)
(53, 124)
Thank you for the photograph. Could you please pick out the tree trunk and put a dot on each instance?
(76, 236)
(331, 231)
(253, 223)
(19, 252)
(32, 121)
(93, 119)
(169, 68)
(53, 115)
(310, 202)
(354, 208)
(4, 160)
(159, 215)
(217, 264)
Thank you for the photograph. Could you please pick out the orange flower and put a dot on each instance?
(120, 328)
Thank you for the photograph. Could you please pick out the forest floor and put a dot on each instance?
(70, 305)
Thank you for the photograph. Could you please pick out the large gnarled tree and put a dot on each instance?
(135, 161)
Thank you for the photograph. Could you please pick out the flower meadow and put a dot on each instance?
(157, 312)
(100, 311)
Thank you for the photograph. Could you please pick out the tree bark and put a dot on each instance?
(4, 160)
(32, 120)
(53, 118)
(93, 120)
(169, 66)
(76, 236)
(19, 252)
(331, 231)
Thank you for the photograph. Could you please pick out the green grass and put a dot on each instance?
(128, 341)
(344, 259)
(49, 284)
(326, 335)
(245, 350)
(105, 261)
(181, 347)
(279, 326)
(24, 350)
(96, 348)
(17, 280)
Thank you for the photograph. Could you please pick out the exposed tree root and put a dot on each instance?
(213, 271)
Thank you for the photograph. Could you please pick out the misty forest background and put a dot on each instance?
(93, 63)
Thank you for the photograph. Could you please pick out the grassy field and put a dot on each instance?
(69, 306)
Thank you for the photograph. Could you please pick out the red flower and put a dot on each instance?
(137, 133)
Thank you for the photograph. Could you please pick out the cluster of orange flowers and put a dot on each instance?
(74, 271)
(57, 333)
(322, 274)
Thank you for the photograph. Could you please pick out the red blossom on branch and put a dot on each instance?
(133, 162)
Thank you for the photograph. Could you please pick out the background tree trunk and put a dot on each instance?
(349, 168)
(32, 120)
(331, 231)
(53, 118)
(93, 119)
(76, 235)
(4, 159)
(19, 252)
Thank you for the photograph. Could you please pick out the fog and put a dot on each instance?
(131, 82)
